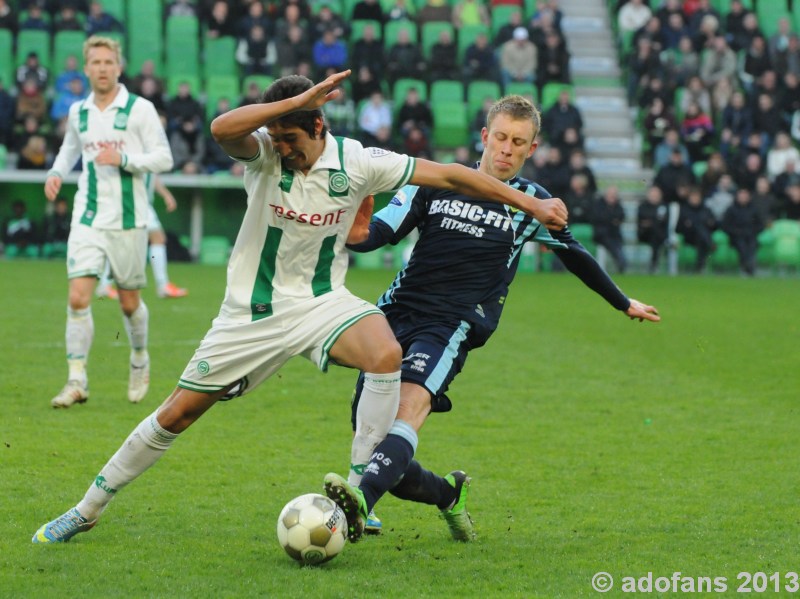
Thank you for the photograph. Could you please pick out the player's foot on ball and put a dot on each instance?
(170, 290)
(138, 382)
(457, 517)
(373, 525)
(352, 502)
(63, 528)
(72, 393)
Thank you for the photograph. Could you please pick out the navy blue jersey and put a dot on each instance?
(468, 252)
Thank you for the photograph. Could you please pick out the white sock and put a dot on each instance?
(377, 409)
(158, 262)
(105, 278)
(145, 445)
(79, 335)
(136, 327)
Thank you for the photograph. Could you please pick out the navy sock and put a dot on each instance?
(388, 463)
(423, 486)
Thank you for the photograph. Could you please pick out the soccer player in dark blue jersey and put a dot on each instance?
(446, 302)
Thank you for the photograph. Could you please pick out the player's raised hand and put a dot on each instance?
(323, 92)
(359, 232)
(552, 213)
(642, 312)
(52, 186)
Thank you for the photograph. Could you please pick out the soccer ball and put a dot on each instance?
(312, 529)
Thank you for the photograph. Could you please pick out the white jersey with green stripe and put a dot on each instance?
(111, 197)
(291, 244)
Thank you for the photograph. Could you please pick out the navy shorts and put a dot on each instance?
(434, 352)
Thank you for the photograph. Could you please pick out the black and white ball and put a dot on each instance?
(312, 529)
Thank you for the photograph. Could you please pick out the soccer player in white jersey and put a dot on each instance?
(157, 250)
(120, 139)
(285, 291)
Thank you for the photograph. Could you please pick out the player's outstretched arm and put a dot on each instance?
(359, 232)
(642, 311)
(232, 130)
(552, 213)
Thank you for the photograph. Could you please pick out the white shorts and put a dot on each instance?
(250, 352)
(126, 251)
(153, 224)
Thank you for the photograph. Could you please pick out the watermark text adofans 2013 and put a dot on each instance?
(679, 582)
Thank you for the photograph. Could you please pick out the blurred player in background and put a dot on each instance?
(120, 139)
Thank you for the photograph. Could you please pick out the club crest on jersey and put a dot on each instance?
(121, 120)
(338, 183)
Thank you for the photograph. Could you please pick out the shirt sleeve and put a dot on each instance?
(155, 155)
(387, 171)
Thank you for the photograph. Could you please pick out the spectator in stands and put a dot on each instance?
(767, 119)
(414, 114)
(364, 85)
(721, 197)
(148, 71)
(417, 144)
(518, 59)
(765, 201)
(367, 10)
(180, 8)
(444, 58)
(63, 100)
(506, 31)
(400, 10)
(696, 223)
(368, 51)
(792, 58)
(755, 62)
(653, 32)
(553, 61)
(375, 122)
(790, 206)
(182, 107)
(561, 116)
(7, 114)
(778, 44)
(256, 17)
(750, 169)
(790, 100)
(632, 16)
(340, 115)
(742, 222)
(715, 169)
(607, 217)
(31, 101)
(19, 232)
(470, 13)
(56, 228)
(70, 72)
(67, 20)
(326, 19)
(781, 152)
(404, 59)
(667, 8)
(293, 50)
(578, 197)
(679, 66)
(695, 93)
(99, 21)
(782, 181)
(652, 222)
(735, 30)
(674, 30)
(256, 53)
(36, 19)
(434, 10)
(216, 159)
(644, 65)
(330, 52)
(8, 17)
(657, 121)
(33, 70)
(33, 155)
(701, 11)
(149, 91)
(704, 38)
(736, 125)
(578, 165)
(546, 15)
(675, 178)
(656, 89)
(718, 64)
(480, 62)
(554, 175)
(220, 23)
(663, 151)
(188, 146)
(302, 6)
(697, 132)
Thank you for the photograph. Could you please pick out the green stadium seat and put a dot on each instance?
(6, 58)
(687, 254)
(220, 57)
(182, 47)
(3, 157)
(551, 91)
(193, 80)
(478, 91)
(335, 6)
(787, 242)
(446, 91)
(358, 27)
(521, 88)
(583, 233)
(724, 256)
(65, 44)
(386, 5)
(430, 35)
(116, 8)
(769, 13)
(450, 124)
(401, 87)
(501, 15)
(765, 255)
(467, 36)
(347, 9)
(392, 30)
(263, 81)
(145, 27)
(30, 40)
(220, 86)
(215, 250)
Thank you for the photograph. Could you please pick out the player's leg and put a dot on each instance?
(158, 262)
(105, 287)
(143, 447)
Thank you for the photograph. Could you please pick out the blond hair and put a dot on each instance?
(518, 108)
(98, 41)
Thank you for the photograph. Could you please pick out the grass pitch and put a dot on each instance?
(595, 444)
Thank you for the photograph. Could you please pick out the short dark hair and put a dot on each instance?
(289, 87)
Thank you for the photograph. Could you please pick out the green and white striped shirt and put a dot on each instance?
(111, 197)
(291, 242)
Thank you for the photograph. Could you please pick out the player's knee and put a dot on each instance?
(78, 300)
(386, 358)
